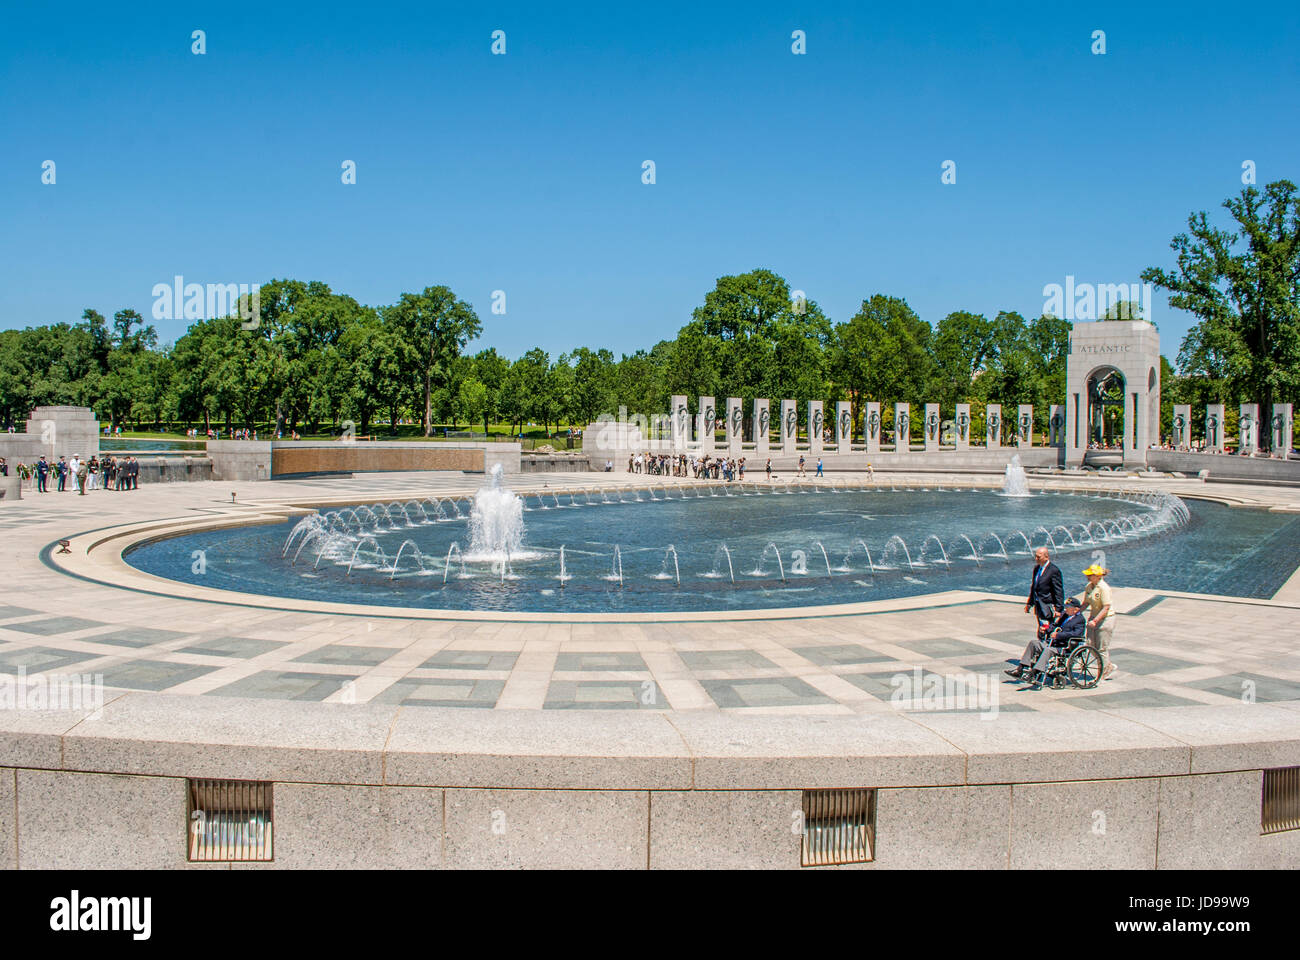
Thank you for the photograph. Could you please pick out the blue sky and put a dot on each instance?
(523, 172)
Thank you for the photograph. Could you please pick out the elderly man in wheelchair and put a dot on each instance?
(1060, 653)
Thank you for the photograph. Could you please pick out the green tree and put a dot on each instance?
(1246, 298)
(437, 326)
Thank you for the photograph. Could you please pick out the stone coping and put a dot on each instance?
(284, 741)
(99, 556)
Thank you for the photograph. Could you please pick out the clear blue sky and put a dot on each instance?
(523, 172)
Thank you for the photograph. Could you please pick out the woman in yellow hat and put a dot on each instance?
(1101, 626)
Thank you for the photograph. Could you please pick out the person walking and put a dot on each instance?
(802, 461)
(1046, 590)
(42, 475)
(819, 467)
(769, 469)
(1101, 618)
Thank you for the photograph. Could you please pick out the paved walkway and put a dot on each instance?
(1171, 650)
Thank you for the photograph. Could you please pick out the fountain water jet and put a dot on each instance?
(1016, 483)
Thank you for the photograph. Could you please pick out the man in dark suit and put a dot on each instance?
(1046, 588)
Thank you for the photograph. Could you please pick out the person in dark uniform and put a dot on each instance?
(1046, 589)
(135, 473)
(42, 476)
(61, 472)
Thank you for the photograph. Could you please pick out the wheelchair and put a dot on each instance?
(1074, 664)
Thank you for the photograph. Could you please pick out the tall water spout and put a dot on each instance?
(496, 521)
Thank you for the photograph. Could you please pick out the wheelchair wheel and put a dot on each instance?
(1084, 668)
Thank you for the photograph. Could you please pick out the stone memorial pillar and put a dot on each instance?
(843, 427)
(1056, 425)
(1283, 426)
(1214, 428)
(1248, 430)
(871, 426)
(930, 428)
(1025, 425)
(816, 428)
(993, 426)
(762, 428)
(661, 427)
(735, 424)
(961, 426)
(902, 428)
(680, 423)
(708, 424)
(1181, 427)
(789, 427)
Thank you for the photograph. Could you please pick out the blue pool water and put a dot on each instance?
(798, 549)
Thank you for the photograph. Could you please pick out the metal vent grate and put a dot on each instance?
(229, 820)
(1279, 807)
(839, 826)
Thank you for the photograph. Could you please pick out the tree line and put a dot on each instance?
(316, 359)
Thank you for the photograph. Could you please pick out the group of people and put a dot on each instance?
(682, 465)
(705, 467)
(1062, 619)
(110, 473)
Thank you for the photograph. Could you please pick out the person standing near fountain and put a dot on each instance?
(1101, 621)
(1046, 588)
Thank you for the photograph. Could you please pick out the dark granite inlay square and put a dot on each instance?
(53, 625)
(1136, 661)
(1235, 685)
(41, 659)
(8, 612)
(244, 648)
(151, 674)
(281, 685)
(600, 661)
(443, 692)
(876, 684)
(348, 655)
(471, 660)
(764, 692)
(839, 655)
(1131, 698)
(137, 637)
(605, 695)
(940, 647)
(725, 659)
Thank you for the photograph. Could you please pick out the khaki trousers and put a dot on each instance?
(1099, 639)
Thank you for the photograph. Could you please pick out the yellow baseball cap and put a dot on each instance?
(1094, 569)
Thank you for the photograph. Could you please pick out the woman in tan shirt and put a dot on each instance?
(1101, 620)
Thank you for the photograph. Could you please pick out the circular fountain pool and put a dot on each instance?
(725, 548)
